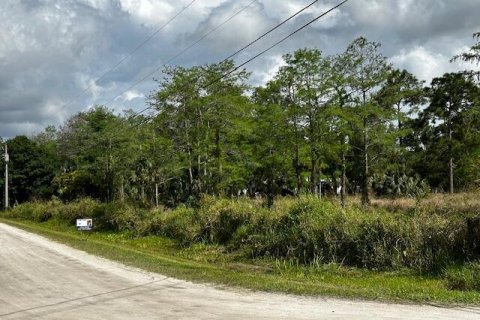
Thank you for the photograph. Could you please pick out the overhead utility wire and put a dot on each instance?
(274, 45)
(249, 44)
(182, 51)
(131, 53)
(269, 31)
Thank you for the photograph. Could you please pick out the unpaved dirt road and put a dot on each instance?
(40, 279)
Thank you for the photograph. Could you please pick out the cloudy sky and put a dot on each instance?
(52, 51)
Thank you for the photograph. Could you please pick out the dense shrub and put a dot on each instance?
(304, 229)
(321, 231)
(121, 217)
(43, 211)
(465, 278)
(181, 224)
(394, 185)
(35, 211)
(81, 208)
(220, 219)
(315, 230)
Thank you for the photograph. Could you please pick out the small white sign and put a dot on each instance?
(84, 224)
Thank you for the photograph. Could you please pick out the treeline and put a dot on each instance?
(348, 123)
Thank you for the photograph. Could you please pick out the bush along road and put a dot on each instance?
(304, 246)
(45, 280)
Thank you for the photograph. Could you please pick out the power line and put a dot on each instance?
(249, 44)
(182, 51)
(270, 31)
(270, 47)
(131, 53)
(277, 43)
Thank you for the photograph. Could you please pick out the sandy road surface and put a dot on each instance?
(40, 279)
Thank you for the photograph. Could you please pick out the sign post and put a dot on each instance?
(84, 224)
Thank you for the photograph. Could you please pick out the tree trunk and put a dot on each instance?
(365, 196)
(156, 194)
(313, 177)
(366, 173)
(320, 188)
(218, 153)
(270, 187)
(403, 165)
(190, 171)
(343, 181)
(122, 190)
(298, 177)
(450, 162)
(450, 167)
(298, 173)
(108, 173)
(199, 170)
(206, 156)
(313, 157)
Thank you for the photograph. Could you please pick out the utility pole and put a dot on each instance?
(156, 194)
(6, 176)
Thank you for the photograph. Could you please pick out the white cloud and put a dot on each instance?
(424, 64)
(55, 110)
(52, 50)
(148, 12)
(87, 84)
(234, 32)
(97, 4)
(273, 65)
(130, 95)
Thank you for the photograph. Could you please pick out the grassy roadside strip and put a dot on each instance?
(159, 255)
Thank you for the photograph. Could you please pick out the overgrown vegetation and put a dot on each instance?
(307, 231)
(323, 124)
(346, 125)
(463, 277)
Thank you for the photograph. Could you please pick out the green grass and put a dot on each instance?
(212, 264)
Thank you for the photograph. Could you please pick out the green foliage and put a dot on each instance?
(181, 225)
(314, 230)
(75, 184)
(34, 211)
(212, 263)
(202, 130)
(447, 131)
(322, 124)
(307, 230)
(32, 169)
(464, 278)
(220, 219)
(89, 144)
(399, 186)
(472, 55)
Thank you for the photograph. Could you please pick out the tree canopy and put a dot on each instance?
(342, 124)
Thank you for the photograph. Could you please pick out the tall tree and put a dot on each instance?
(273, 165)
(31, 170)
(342, 115)
(453, 97)
(402, 93)
(202, 113)
(370, 71)
(86, 145)
(306, 90)
(473, 55)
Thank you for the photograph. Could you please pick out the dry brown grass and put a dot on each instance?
(467, 203)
